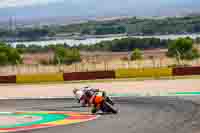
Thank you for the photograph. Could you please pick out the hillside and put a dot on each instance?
(130, 26)
(137, 26)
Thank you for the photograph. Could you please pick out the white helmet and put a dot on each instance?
(79, 94)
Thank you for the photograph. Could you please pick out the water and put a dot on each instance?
(91, 41)
(70, 42)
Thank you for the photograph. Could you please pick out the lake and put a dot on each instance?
(91, 41)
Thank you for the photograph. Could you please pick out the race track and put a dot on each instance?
(137, 115)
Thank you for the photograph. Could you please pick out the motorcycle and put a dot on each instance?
(100, 103)
(84, 100)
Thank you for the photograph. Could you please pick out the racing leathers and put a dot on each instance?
(84, 94)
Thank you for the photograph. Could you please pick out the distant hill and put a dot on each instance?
(136, 26)
(66, 11)
(108, 26)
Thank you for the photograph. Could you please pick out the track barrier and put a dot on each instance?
(36, 78)
(120, 73)
(182, 71)
(8, 79)
(147, 72)
(89, 75)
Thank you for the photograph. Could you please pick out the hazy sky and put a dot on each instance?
(22, 3)
(35, 8)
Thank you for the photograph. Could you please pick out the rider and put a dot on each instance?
(96, 101)
(84, 94)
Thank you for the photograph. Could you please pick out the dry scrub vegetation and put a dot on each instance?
(100, 61)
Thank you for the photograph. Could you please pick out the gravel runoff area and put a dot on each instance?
(116, 87)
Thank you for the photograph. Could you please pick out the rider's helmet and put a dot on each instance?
(86, 87)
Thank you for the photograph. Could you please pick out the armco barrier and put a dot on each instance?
(8, 79)
(181, 71)
(147, 72)
(89, 75)
(36, 78)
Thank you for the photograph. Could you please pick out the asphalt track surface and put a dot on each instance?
(137, 115)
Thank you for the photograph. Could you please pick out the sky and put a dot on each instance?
(22, 3)
(48, 8)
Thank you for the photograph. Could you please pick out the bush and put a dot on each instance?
(182, 49)
(9, 55)
(136, 54)
(14, 57)
(178, 65)
(44, 62)
(3, 58)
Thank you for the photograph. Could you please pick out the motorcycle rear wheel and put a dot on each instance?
(109, 108)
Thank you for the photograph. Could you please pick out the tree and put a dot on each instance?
(3, 58)
(198, 40)
(182, 49)
(14, 57)
(85, 31)
(66, 56)
(2, 44)
(136, 54)
(9, 55)
(192, 54)
(21, 48)
(51, 33)
(34, 48)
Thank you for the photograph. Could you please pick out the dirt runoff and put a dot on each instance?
(119, 87)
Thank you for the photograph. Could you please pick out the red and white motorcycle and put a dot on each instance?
(83, 96)
(100, 103)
